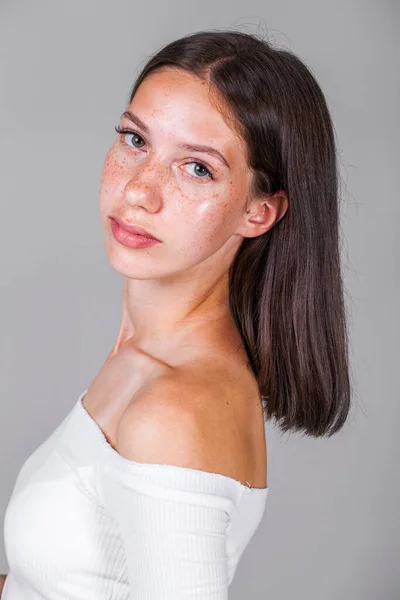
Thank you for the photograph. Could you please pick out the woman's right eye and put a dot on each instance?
(134, 134)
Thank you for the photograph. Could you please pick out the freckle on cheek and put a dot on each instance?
(112, 170)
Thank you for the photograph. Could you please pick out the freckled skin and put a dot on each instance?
(200, 222)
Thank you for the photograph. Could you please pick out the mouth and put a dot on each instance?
(129, 239)
(135, 229)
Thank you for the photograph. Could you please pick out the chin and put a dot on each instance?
(127, 264)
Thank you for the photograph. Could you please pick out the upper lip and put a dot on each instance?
(134, 228)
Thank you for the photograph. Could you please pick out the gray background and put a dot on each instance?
(331, 527)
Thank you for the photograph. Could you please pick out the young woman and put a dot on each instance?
(219, 207)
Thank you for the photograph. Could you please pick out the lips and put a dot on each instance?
(134, 229)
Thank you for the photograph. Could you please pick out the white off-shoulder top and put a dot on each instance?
(85, 523)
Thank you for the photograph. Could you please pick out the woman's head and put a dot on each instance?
(270, 220)
(181, 171)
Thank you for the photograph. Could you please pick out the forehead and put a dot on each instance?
(184, 107)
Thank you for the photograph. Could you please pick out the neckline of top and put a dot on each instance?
(118, 457)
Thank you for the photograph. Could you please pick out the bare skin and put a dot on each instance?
(176, 329)
(2, 582)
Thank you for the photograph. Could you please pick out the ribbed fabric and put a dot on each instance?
(85, 523)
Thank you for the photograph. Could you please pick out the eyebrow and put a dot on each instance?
(193, 147)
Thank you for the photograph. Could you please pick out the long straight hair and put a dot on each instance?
(285, 286)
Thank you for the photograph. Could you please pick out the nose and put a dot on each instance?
(144, 187)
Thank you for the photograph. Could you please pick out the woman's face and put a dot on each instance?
(191, 199)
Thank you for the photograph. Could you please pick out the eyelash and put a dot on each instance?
(209, 173)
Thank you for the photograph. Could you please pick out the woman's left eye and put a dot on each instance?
(204, 173)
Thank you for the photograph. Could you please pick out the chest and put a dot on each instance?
(57, 532)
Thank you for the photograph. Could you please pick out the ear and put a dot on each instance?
(264, 212)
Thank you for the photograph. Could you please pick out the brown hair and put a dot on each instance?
(286, 290)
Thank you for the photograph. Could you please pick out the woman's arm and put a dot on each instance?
(2, 582)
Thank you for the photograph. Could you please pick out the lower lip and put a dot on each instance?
(131, 240)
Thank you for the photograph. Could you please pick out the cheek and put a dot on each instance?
(213, 220)
(220, 211)
(112, 176)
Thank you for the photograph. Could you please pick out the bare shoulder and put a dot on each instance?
(163, 425)
(194, 418)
